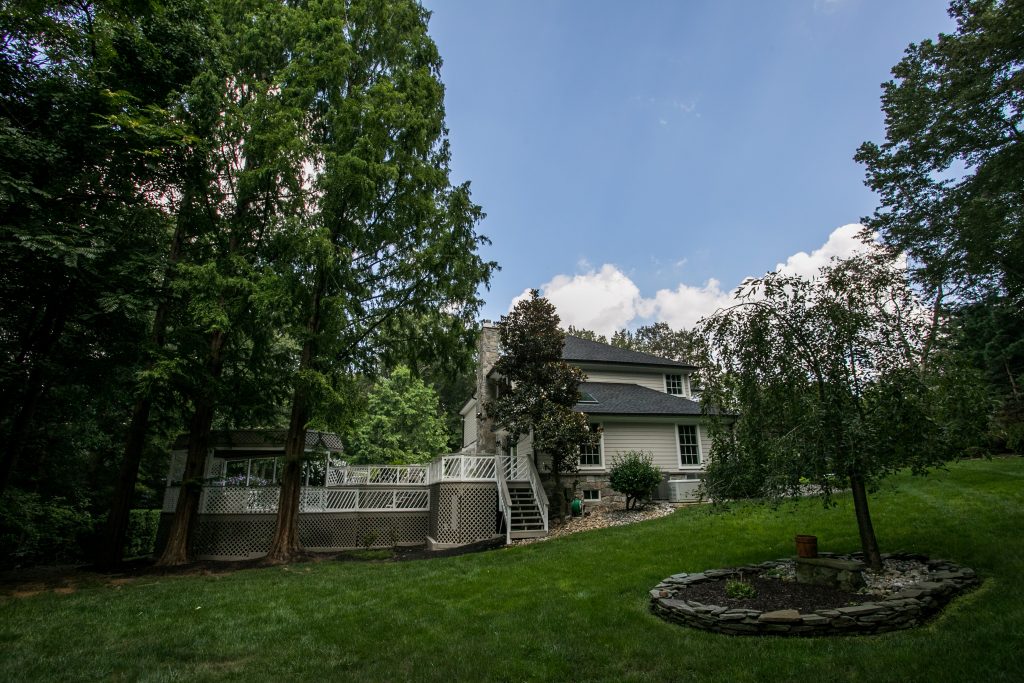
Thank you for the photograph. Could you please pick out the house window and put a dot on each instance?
(590, 453)
(689, 449)
(592, 494)
(674, 385)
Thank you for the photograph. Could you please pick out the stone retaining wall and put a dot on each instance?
(905, 609)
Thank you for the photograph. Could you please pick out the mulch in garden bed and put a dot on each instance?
(772, 594)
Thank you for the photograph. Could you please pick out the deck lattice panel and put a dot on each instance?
(463, 513)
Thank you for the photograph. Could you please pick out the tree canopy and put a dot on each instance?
(216, 214)
(950, 181)
(401, 425)
(950, 173)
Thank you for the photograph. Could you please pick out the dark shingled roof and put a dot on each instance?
(633, 399)
(584, 350)
(264, 438)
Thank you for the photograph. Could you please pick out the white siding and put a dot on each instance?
(525, 444)
(469, 429)
(644, 379)
(658, 439)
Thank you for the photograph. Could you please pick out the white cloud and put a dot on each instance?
(602, 300)
(685, 305)
(843, 242)
(606, 299)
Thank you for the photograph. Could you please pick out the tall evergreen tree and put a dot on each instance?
(950, 180)
(385, 234)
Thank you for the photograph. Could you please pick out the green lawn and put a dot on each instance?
(570, 609)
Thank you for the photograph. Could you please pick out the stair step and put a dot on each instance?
(528, 534)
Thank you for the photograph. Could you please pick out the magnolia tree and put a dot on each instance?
(836, 382)
(540, 389)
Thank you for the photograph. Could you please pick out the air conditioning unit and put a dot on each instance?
(683, 490)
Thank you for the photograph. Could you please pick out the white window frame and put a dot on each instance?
(679, 449)
(600, 450)
(596, 497)
(682, 383)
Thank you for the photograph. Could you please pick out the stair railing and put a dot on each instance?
(504, 497)
(538, 488)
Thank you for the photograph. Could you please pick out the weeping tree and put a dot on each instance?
(540, 389)
(837, 383)
(384, 234)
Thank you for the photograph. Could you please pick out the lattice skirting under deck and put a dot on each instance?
(233, 537)
(463, 513)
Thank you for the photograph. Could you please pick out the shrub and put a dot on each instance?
(142, 528)
(737, 589)
(34, 530)
(633, 473)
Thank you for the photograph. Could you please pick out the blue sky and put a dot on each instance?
(638, 159)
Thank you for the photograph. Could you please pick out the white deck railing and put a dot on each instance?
(401, 487)
(538, 490)
(383, 475)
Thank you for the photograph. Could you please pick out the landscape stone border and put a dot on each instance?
(905, 609)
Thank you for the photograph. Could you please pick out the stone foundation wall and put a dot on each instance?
(905, 609)
(610, 497)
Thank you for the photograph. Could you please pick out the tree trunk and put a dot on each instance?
(20, 428)
(177, 549)
(138, 428)
(120, 508)
(868, 542)
(558, 501)
(286, 544)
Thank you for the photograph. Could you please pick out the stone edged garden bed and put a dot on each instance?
(904, 609)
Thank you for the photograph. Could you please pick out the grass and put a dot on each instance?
(571, 608)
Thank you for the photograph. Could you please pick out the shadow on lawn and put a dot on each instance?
(67, 579)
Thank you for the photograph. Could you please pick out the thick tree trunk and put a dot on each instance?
(868, 542)
(286, 544)
(176, 552)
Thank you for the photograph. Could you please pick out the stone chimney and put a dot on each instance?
(488, 348)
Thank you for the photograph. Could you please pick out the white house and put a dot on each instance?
(640, 401)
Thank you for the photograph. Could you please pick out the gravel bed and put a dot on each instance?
(896, 575)
(601, 518)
